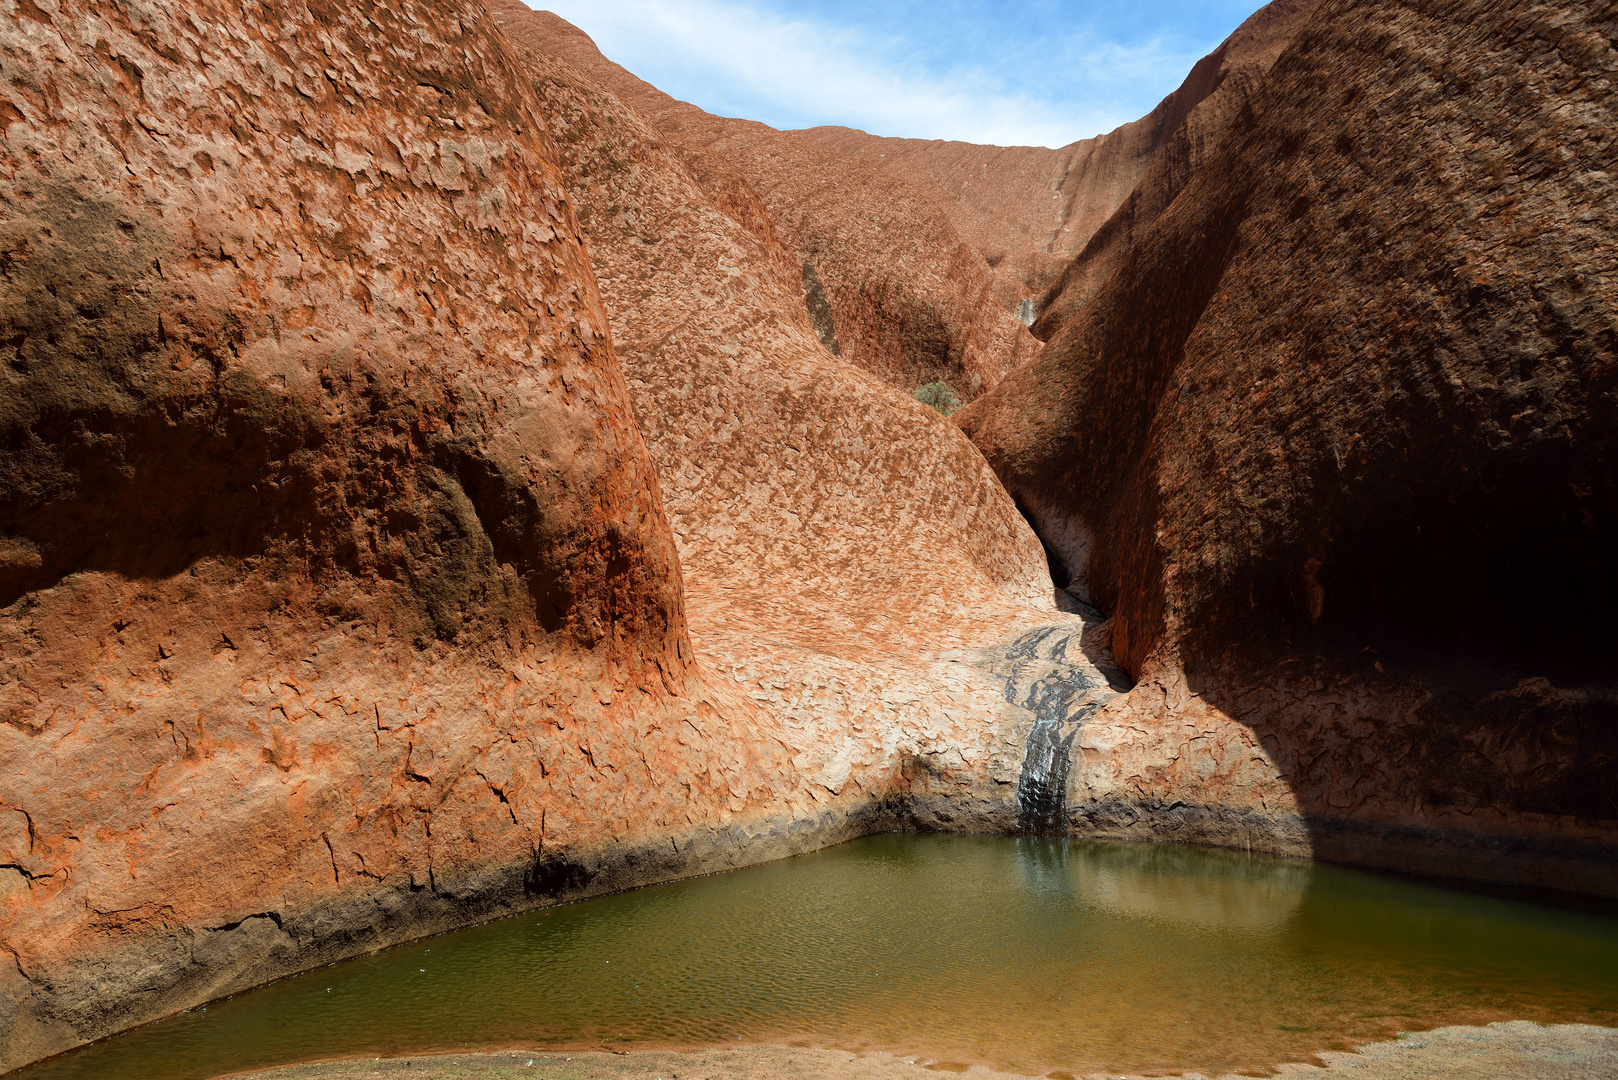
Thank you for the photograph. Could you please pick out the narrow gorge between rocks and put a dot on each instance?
(1141, 606)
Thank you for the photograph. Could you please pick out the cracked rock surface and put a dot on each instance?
(911, 300)
(428, 487)
(850, 564)
(342, 601)
(339, 594)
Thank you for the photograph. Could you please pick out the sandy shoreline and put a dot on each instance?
(1516, 1050)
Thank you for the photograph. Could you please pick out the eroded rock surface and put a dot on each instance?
(354, 591)
(911, 301)
(1334, 448)
(343, 605)
(340, 601)
(1191, 124)
(850, 562)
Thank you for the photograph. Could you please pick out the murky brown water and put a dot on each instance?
(1034, 955)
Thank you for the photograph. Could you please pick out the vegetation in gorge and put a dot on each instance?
(938, 395)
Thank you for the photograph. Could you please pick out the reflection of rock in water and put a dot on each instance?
(1054, 674)
(1197, 886)
(1043, 862)
(1207, 888)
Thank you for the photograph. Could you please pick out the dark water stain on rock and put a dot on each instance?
(1061, 692)
(820, 310)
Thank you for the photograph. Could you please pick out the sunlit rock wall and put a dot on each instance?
(339, 600)
(911, 301)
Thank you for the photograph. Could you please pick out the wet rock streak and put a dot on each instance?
(1062, 693)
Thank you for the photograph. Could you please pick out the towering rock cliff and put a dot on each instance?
(1334, 445)
(1031, 210)
(339, 596)
(342, 606)
(906, 298)
(352, 590)
(1206, 107)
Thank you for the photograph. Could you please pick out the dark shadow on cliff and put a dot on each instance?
(1441, 693)
(145, 426)
(1340, 427)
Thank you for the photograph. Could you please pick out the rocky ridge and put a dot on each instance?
(434, 491)
(1031, 211)
(341, 602)
(909, 300)
(344, 605)
(1226, 79)
(800, 489)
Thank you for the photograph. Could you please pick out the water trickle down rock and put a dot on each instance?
(1061, 692)
(1390, 748)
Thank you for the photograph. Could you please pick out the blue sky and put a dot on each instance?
(1025, 72)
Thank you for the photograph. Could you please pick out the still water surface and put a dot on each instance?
(1027, 954)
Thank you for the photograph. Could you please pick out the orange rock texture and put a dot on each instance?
(339, 594)
(848, 555)
(909, 300)
(342, 606)
(1334, 446)
(443, 475)
(1031, 211)
(1194, 120)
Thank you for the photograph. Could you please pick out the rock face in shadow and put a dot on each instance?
(1193, 121)
(340, 603)
(1334, 446)
(1032, 210)
(910, 300)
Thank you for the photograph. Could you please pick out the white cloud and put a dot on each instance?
(743, 60)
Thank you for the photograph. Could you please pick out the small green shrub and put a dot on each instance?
(939, 396)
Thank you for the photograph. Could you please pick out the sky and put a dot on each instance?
(1014, 73)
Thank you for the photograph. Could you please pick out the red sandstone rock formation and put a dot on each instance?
(847, 552)
(1336, 440)
(340, 601)
(1031, 210)
(909, 300)
(343, 606)
(1230, 75)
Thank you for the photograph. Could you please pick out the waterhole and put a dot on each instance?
(1029, 954)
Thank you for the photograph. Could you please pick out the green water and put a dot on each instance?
(1034, 955)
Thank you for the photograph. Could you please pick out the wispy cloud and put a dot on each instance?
(949, 73)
